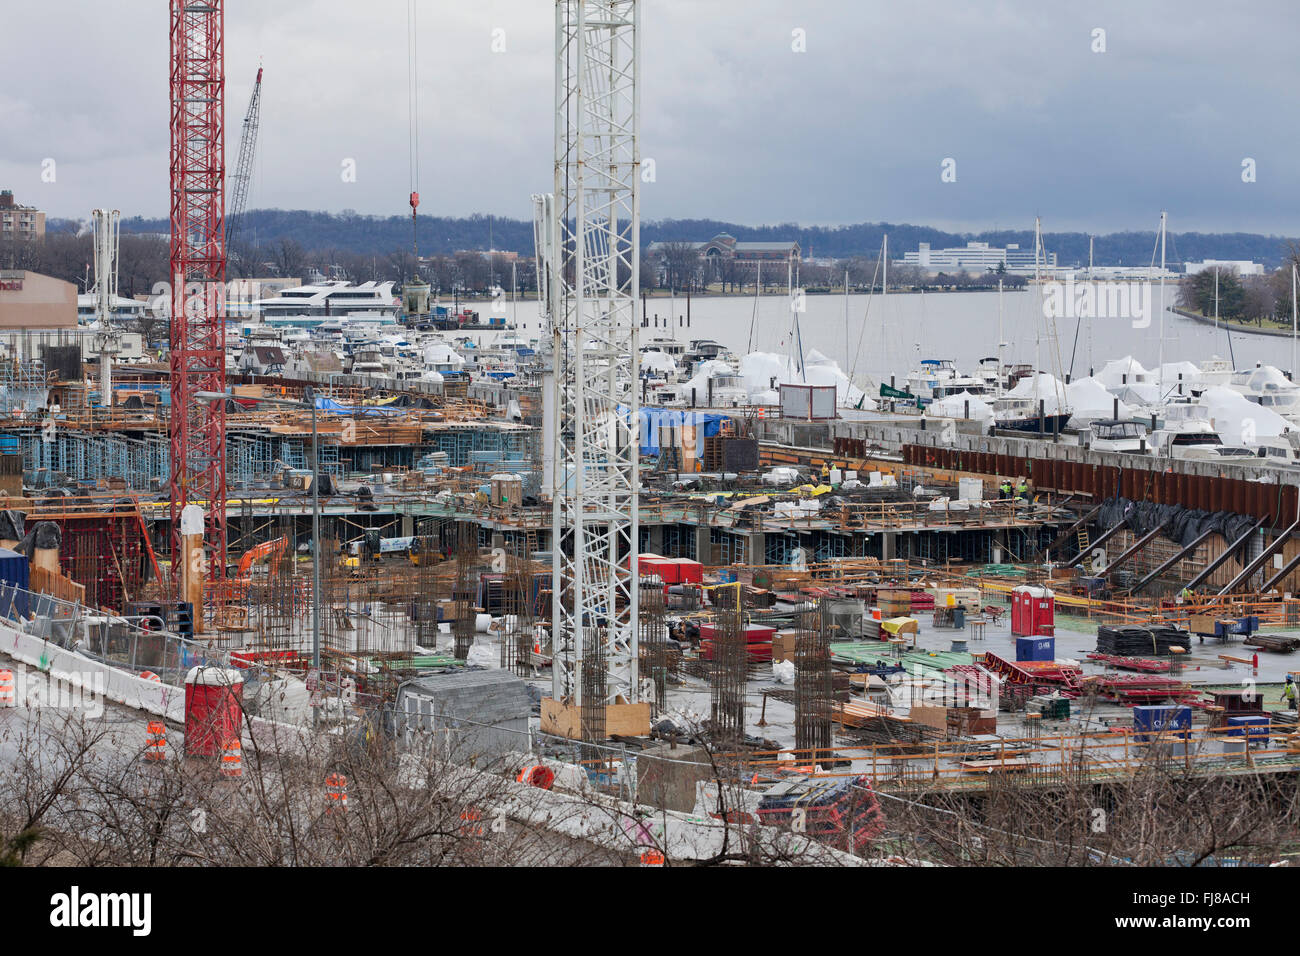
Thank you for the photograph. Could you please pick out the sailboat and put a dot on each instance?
(1027, 411)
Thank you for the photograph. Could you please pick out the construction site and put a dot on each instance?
(729, 620)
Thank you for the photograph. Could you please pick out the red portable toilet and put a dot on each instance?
(1033, 611)
(213, 710)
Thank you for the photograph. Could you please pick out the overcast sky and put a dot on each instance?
(741, 127)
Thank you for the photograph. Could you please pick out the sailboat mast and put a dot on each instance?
(1162, 304)
(1216, 297)
(1001, 344)
(1293, 319)
(1038, 287)
(846, 315)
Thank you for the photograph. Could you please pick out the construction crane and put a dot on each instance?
(244, 168)
(591, 248)
(197, 481)
(107, 340)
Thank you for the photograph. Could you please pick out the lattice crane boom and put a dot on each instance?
(244, 167)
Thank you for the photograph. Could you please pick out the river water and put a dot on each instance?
(874, 337)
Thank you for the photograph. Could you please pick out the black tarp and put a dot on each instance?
(44, 534)
(11, 525)
(1183, 525)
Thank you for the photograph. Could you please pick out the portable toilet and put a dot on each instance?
(213, 709)
(1033, 611)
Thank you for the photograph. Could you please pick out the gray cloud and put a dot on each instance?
(741, 127)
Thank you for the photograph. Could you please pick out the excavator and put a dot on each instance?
(267, 549)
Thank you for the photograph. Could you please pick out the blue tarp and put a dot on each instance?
(329, 406)
(707, 424)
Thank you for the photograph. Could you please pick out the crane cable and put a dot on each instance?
(413, 127)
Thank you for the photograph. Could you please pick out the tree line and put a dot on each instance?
(349, 231)
(1223, 292)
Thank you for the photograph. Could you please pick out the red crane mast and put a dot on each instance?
(198, 274)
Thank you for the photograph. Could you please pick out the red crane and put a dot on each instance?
(198, 273)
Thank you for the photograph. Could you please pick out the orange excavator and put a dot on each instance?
(267, 549)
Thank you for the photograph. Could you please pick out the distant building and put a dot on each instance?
(29, 300)
(1243, 267)
(978, 257)
(724, 246)
(121, 309)
(19, 222)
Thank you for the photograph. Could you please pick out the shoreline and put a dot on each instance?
(1230, 326)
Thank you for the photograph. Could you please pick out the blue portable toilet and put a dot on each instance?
(1035, 648)
(15, 580)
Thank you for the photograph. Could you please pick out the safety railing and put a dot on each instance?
(112, 639)
(1045, 758)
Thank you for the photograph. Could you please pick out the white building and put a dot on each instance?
(977, 257)
(1243, 267)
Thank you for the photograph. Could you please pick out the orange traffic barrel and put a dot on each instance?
(539, 776)
(336, 792)
(470, 825)
(7, 698)
(150, 675)
(155, 745)
(232, 758)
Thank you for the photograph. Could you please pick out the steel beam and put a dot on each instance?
(1133, 549)
(1106, 536)
(1264, 554)
(1223, 558)
(1281, 575)
(1184, 552)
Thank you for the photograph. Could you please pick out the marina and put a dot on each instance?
(607, 550)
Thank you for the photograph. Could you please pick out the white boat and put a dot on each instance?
(332, 298)
(1118, 436)
(369, 360)
(939, 378)
(1267, 387)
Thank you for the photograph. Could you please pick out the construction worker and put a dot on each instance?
(1185, 596)
(1005, 488)
(1022, 489)
(826, 472)
(1290, 693)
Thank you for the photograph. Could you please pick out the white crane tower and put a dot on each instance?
(107, 340)
(588, 236)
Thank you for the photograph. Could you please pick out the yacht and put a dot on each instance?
(1269, 388)
(369, 360)
(670, 347)
(1019, 413)
(939, 378)
(1114, 435)
(330, 298)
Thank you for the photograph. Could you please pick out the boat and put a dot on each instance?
(1117, 436)
(1020, 414)
(939, 378)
